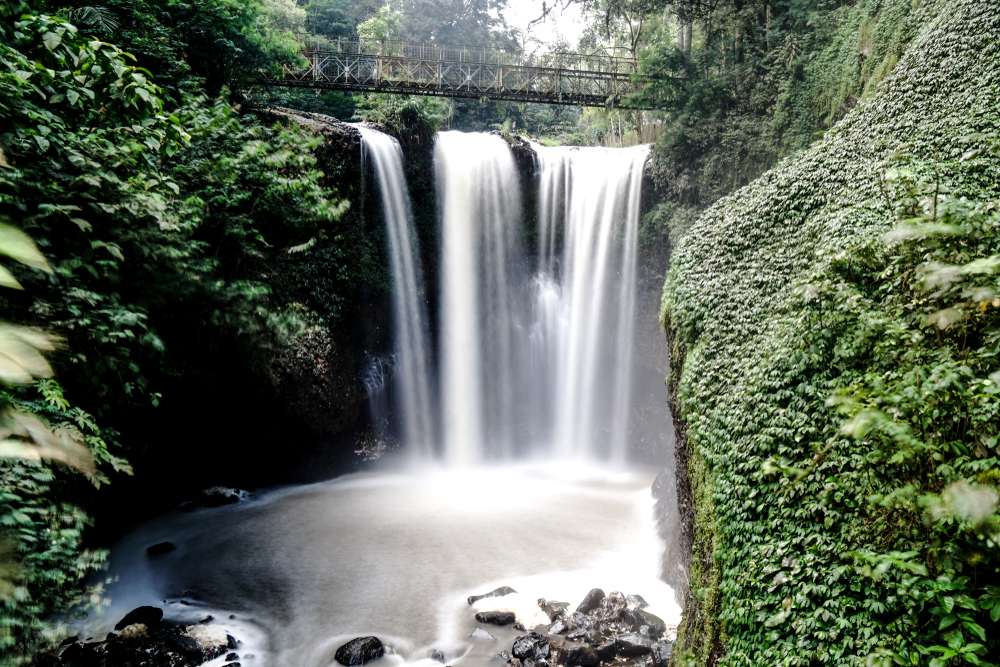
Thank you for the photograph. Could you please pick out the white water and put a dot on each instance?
(480, 202)
(412, 370)
(590, 197)
(537, 355)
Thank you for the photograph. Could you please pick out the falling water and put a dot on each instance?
(537, 355)
(592, 196)
(480, 201)
(411, 352)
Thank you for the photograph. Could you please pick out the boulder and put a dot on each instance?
(496, 617)
(531, 646)
(148, 616)
(578, 656)
(360, 651)
(160, 549)
(661, 653)
(641, 617)
(632, 645)
(495, 593)
(591, 601)
(553, 609)
(634, 602)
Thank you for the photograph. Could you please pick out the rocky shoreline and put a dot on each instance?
(603, 630)
(143, 638)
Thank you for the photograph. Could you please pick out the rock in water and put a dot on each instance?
(531, 646)
(656, 625)
(636, 602)
(579, 656)
(632, 645)
(159, 549)
(148, 616)
(591, 601)
(360, 651)
(495, 593)
(495, 617)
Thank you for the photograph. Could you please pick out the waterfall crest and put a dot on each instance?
(412, 374)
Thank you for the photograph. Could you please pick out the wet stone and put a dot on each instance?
(531, 646)
(496, 617)
(146, 615)
(359, 651)
(591, 601)
(495, 593)
(634, 602)
(160, 549)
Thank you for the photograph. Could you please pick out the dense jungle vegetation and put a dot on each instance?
(181, 263)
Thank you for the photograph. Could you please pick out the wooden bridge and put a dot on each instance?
(428, 69)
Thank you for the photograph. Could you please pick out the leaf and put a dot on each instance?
(776, 619)
(25, 436)
(18, 246)
(51, 40)
(7, 279)
(21, 358)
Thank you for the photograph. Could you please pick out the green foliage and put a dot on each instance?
(745, 85)
(838, 384)
(163, 214)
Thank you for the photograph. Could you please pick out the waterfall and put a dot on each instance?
(412, 368)
(592, 196)
(480, 203)
(536, 355)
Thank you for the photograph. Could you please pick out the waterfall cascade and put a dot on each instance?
(412, 367)
(536, 346)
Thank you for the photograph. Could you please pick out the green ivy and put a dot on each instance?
(838, 382)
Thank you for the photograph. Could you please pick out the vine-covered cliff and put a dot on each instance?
(837, 382)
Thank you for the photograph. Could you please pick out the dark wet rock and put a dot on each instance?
(232, 656)
(558, 628)
(553, 609)
(656, 625)
(232, 642)
(578, 656)
(80, 655)
(634, 602)
(158, 644)
(632, 645)
(206, 620)
(496, 617)
(613, 604)
(495, 593)
(160, 549)
(519, 627)
(591, 601)
(531, 646)
(437, 655)
(360, 651)
(148, 616)
(216, 496)
(185, 644)
(661, 653)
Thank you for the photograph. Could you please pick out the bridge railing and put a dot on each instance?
(579, 62)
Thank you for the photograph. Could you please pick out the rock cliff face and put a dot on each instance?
(770, 582)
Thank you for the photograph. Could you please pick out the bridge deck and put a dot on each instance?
(422, 69)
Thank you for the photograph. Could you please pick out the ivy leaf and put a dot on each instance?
(51, 40)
